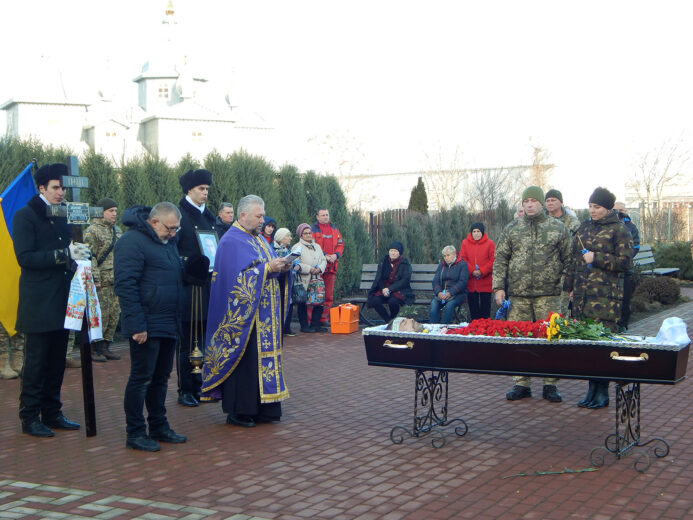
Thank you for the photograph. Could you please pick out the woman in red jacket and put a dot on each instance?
(478, 251)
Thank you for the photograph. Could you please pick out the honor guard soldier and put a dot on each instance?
(101, 237)
(195, 217)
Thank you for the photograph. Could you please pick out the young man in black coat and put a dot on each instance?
(44, 252)
(194, 217)
(149, 284)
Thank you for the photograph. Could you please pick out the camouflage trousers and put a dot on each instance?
(110, 311)
(533, 309)
(10, 344)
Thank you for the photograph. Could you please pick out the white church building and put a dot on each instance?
(175, 112)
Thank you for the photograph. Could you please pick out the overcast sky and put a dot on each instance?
(403, 86)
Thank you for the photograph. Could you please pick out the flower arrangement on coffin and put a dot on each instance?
(554, 327)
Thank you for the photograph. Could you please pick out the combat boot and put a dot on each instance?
(96, 353)
(6, 371)
(106, 351)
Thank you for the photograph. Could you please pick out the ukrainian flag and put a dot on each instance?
(16, 195)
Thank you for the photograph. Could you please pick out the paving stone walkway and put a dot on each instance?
(331, 456)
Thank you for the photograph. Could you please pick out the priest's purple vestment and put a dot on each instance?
(245, 312)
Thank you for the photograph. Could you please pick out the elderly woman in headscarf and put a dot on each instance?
(312, 262)
(392, 284)
(282, 240)
(603, 252)
(478, 251)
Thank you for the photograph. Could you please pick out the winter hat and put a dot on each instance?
(191, 178)
(107, 203)
(397, 245)
(50, 172)
(603, 197)
(281, 234)
(269, 221)
(533, 192)
(301, 228)
(479, 226)
(555, 194)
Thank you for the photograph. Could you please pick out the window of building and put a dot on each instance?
(163, 91)
(197, 137)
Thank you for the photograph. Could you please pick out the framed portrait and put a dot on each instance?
(209, 242)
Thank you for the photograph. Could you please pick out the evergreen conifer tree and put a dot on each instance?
(418, 200)
(103, 181)
(316, 194)
(293, 198)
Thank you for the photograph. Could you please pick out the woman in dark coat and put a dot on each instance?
(449, 286)
(603, 252)
(391, 284)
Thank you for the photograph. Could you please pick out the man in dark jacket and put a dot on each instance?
(628, 282)
(194, 217)
(44, 252)
(149, 285)
(224, 218)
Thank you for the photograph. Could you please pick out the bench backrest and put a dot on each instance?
(421, 276)
(645, 257)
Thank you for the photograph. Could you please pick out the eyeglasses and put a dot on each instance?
(171, 229)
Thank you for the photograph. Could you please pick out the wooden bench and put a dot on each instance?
(421, 284)
(644, 261)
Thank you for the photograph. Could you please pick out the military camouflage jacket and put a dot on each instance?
(598, 288)
(532, 255)
(569, 221)
(99, 236)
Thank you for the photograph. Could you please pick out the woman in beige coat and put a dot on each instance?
(311, 262)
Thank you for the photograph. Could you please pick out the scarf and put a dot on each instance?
(394, 264)
(83, 299)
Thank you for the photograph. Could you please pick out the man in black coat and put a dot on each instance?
(149, 285)
(194, 217)
(44, 252)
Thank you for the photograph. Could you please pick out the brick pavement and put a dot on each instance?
(331, 456)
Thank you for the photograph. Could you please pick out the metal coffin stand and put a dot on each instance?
(627, 363)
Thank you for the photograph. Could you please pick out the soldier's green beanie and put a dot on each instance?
(533, 192)
(555, 194)
(107, 203)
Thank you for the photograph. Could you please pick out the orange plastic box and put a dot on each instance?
(344, 319)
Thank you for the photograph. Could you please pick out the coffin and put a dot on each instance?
(638, 359)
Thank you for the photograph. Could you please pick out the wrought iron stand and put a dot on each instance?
(430, 391)
(627, 434)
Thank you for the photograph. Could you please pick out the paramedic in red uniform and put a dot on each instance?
(330, 240)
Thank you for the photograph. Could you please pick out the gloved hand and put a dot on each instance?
(79, 251)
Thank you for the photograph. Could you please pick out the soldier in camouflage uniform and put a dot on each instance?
(101, 237)
(532, 255)
(554, 207)
(11, 354)
(596, 277)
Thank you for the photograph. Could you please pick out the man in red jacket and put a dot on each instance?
(330, 240)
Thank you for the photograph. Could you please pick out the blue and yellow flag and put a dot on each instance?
(16, 195)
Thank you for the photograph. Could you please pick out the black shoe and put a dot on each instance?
(61, 423)
(142, 443)
(187, 399)
(168, 436)
(601, 395)
(37, 429)
(307, 329)
(96, 354)
(240, 420)
(290, 333)
(518, 392)
(589, 395)
(550, 393)
(320, 329)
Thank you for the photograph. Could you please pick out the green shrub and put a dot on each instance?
(676, 254)
(662, 289)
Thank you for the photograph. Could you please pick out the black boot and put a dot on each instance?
(589, 395)
(601, 395)
(106, 351)
(96, 354)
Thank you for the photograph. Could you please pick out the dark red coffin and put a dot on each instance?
(635, 360)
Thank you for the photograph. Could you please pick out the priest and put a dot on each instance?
(243, 357)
